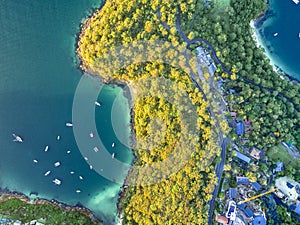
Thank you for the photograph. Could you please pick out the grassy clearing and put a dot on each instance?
(278, 153)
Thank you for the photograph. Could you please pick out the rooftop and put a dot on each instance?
(232, 193)
(242, 180)
(242, 157)
(256, 186)
(256, 153)
(240, 128)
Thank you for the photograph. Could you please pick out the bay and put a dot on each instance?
(38, 80)
(279, 34)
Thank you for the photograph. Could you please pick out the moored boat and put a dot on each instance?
(47, 173)
(17, 138)
(57, 181)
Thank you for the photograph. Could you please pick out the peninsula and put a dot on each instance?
(243, 106)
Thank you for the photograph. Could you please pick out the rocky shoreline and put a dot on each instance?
(6, 194)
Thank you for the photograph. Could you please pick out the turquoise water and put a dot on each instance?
(38, 79)
(283, 17)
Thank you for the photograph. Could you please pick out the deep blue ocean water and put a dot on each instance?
(282, 17)
(38, 79)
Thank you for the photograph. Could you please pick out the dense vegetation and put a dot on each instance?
(274, 118)
(159, 122)
(182, 197)
(16, 209)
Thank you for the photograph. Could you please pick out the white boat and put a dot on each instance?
(296, 1)
(86, 158)
(80, 177)
(47, 173)
(56, 181)
(35, 161)
(113, 155)
(72, 172)
(57, 164)
(46, 148)
(299, 35)
(58, 138)
(69, 124)
(275, 34)
(97, 103)
(78, 191)
(91, 134)
(113, 144)
(17, 138)
(96, 149)
(91, 167)
(68, 152)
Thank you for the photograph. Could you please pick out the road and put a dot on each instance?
(223, 142)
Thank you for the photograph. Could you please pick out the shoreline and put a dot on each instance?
(255, 36)
(127, 92)
(6, 194)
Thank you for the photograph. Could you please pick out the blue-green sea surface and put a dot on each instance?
(279, 33)
(38, 79)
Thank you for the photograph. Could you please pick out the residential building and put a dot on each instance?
(256, 153)
(242, 157)
(289, 187)
(256, 186)
(245, 209)
(279, 167)
(240, 128)
(232, 193)
(242, 180)
(222, 219)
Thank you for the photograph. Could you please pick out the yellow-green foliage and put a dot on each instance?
(158, 122)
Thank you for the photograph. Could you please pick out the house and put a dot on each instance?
(17, 223)
(256, 186)
(297, 209)
(240, 128)
(242, 180)
(222, 219)
(232, 193)
(233, 114)
(279, 167)
(256, 153)
(259, 220)
(288, 187)
(245, 209)
(242, 157)
(212, 69)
